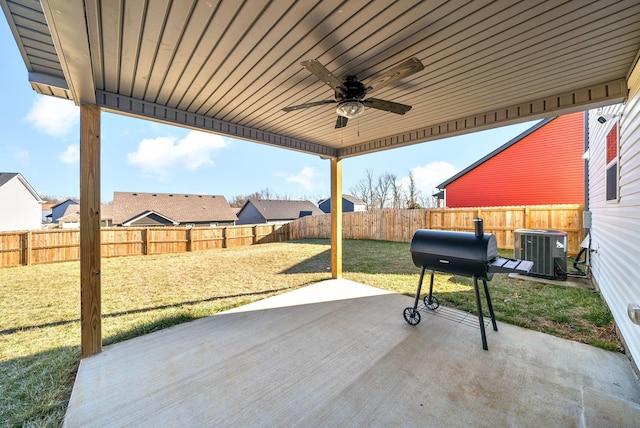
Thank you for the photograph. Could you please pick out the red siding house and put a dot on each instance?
(541, 166)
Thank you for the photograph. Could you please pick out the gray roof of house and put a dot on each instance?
(183, 208)
(75, 201)
(500, 149)
(281, 209)
(5, 177)
(349, 198)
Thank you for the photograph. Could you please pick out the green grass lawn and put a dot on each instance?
(40, 306)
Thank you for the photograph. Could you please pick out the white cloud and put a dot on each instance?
(71, 155)
(306, 178)
(160, 156)
(428, 176)
(53, 116)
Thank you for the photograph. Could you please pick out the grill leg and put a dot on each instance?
(493, 317)
(431, 288)
(480, 317)
(415, 305)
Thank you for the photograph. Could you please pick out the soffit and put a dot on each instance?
(230, 67)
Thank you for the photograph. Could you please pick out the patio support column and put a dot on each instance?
(90, 290)
(336, 218)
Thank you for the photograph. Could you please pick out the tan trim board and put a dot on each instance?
(148, 110)
(582, 99)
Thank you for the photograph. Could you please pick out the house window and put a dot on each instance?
(612, 164)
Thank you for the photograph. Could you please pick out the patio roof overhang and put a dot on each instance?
(229, 67)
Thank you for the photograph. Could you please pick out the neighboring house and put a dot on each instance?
(614, 207)
(349, 204)
(20, 204)
(256, 211)
(70, 221)
(541, 166)
(71, 209)
(46, 212)
(106, 215)
(171, 209)
(71, 217)
(150, 218)
(60, 209)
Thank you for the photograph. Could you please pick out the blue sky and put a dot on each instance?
(40, 135)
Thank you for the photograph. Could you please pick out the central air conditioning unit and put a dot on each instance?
(547, 249)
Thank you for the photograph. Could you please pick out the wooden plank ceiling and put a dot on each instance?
(230, 67)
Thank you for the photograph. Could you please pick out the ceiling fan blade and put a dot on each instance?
(341, 122)
(398, 72)
(321, 72)
(386, 105)
(306, 105)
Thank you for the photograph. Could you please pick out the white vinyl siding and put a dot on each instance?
(615, 228)
(19, 209)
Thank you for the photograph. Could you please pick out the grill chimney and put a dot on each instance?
(479, 227)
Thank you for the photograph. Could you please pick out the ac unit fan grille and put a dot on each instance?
(537, 248)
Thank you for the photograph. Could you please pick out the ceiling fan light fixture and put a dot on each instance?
(350, 109)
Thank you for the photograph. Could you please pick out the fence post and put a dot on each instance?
(527, 218)
(145, 242)
(224, 238)
(26, 248)
(189, 230)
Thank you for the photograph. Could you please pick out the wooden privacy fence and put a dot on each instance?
(400, 225)
(47, 246)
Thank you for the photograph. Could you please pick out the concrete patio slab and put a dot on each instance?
(339, 353)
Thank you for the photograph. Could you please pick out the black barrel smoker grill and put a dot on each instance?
(460, 253)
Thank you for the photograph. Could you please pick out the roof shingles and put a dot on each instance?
(183, 208)
(274, 210)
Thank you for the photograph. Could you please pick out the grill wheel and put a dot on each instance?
(433, 304)
(412, 316)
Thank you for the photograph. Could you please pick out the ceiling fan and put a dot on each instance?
(351, 94)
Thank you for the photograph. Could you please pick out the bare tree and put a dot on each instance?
(364, 189)
(428, 201)
(386, 191)
(397, 194)
(264, 194)
(413, 193)
(382, 189)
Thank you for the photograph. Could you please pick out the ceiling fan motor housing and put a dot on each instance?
(355, 89)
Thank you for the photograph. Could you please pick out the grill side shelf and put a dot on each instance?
(504, 265)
